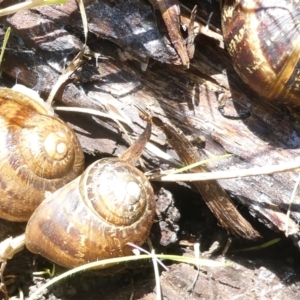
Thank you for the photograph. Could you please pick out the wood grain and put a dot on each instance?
(186, 98)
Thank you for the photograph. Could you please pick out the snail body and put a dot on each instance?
(263, 39)
(97, 214)
(39, 153)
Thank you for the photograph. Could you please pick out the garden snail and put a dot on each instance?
(39, 153)
(263, 38)
(97, 214)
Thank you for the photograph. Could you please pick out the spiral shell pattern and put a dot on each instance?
(263, 39)
(39, 153)
(85, 222)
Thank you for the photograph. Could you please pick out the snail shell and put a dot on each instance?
(97, 214)
(93, 217)
(39, 153)
(263, 39)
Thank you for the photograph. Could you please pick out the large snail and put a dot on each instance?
(263, 38)
(39, 153)
(96, 215)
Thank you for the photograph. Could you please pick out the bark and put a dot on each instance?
(186, 98)
(45, 39)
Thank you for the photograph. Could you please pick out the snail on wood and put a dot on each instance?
(97, 214)
(263, 38)
(39, 153)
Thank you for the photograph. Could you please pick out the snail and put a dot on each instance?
(263, 39)
(94, 216)
(39, 153)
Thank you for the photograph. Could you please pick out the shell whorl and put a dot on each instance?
(48, 148)
(39, 153)
(96, 215)
(263, 39)
(69, 231)
(119, 190)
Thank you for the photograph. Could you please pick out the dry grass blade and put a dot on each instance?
(10, 246)
(76, 62)
(102, 263)
(266, 170)
(84, 19)
(290, 205)
(140, 249)
(259, 247)
(155, 267)
(94, 112)
(28, 5)
(156, 272)
(160, 154)
(6, 37)
(198, 163)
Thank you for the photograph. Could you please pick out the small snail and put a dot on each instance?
(263, 38)
(39, 153)
(97, 214)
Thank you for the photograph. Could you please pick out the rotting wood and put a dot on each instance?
(170, 11)
(212, 193)
(188, 100)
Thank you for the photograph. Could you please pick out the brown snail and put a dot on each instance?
(39, 153)
(97, 214)
(263, 39)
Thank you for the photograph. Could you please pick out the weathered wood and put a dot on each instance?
(187, 98)
(237, 280)
(45, 39)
